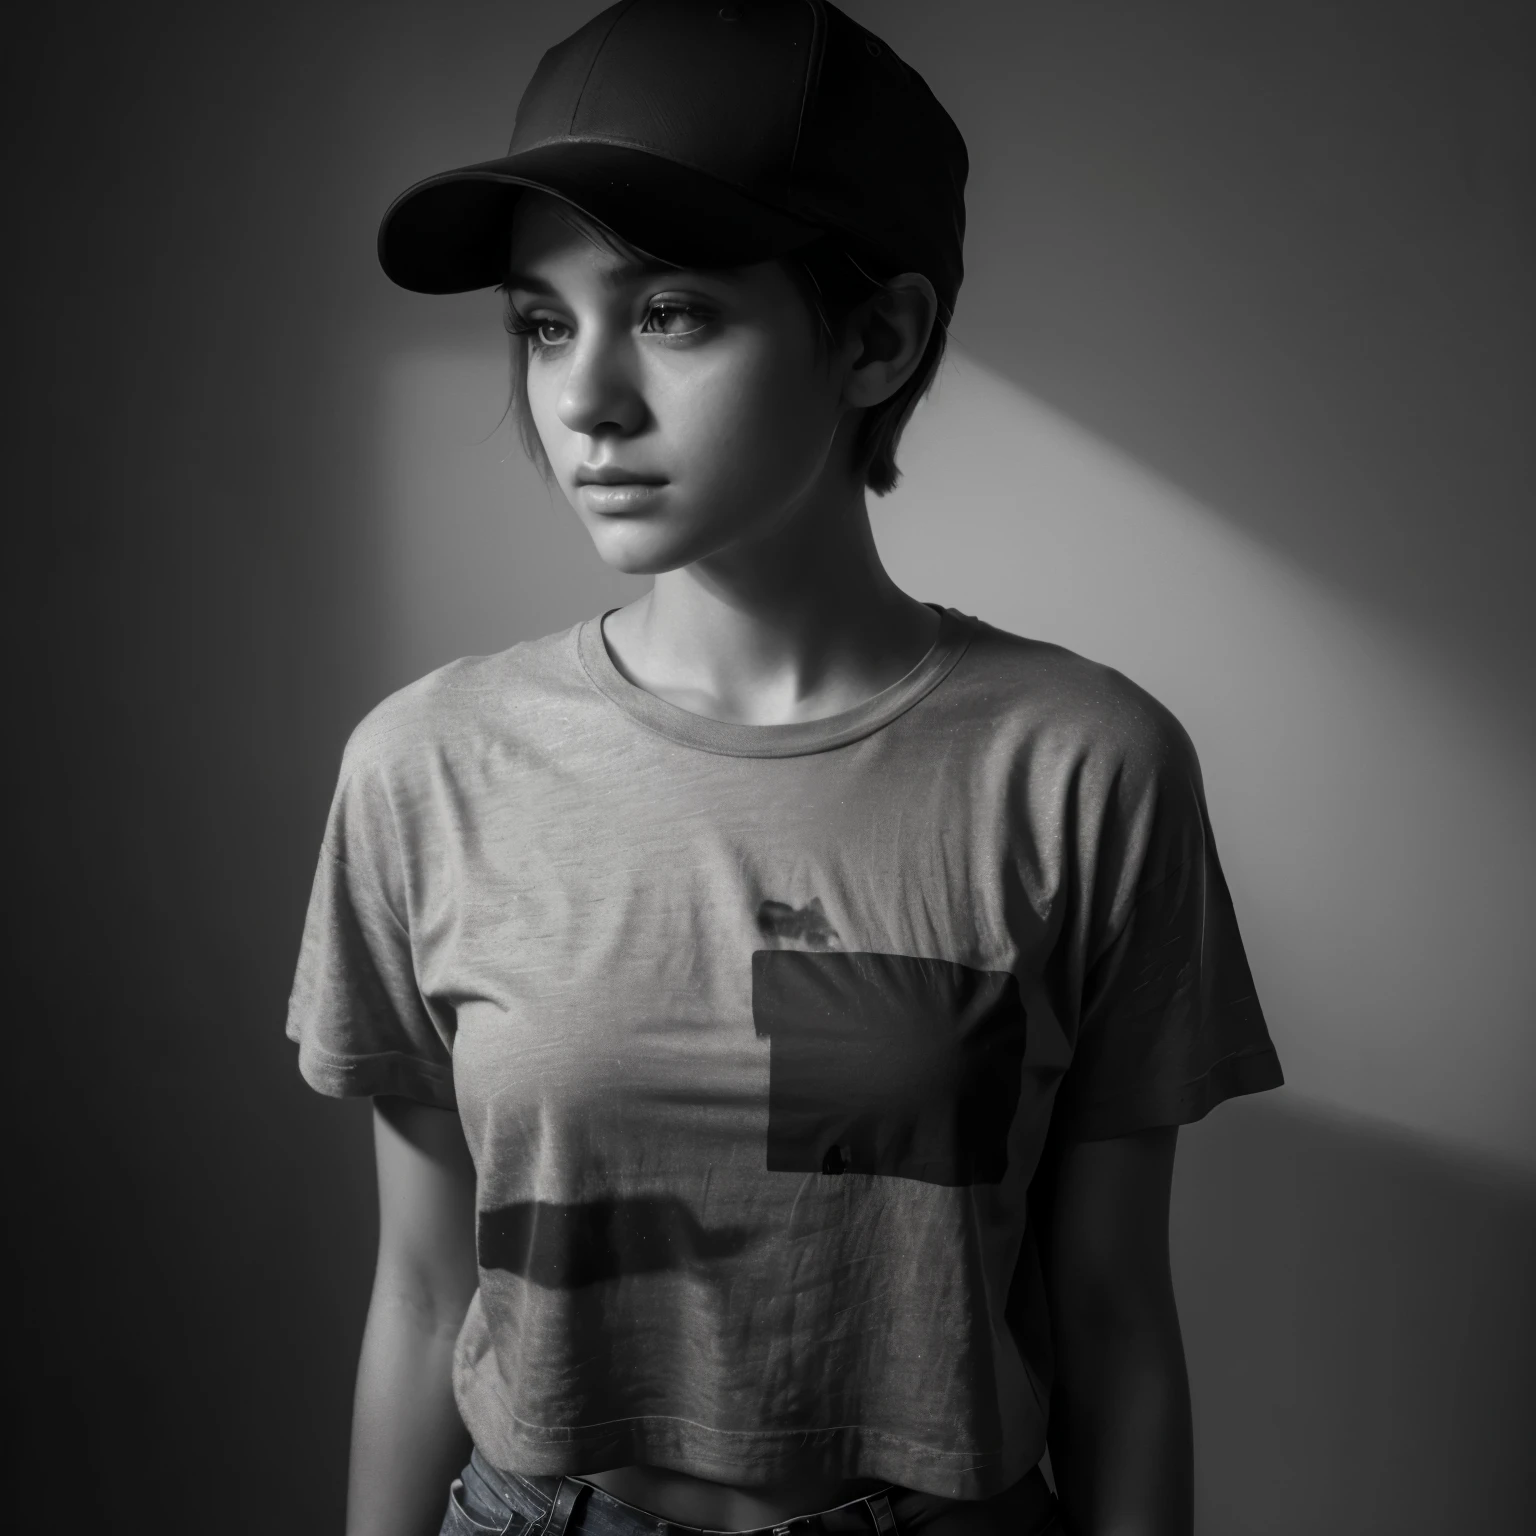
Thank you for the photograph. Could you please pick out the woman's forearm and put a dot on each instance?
(1122, 1443)
(408, 1443)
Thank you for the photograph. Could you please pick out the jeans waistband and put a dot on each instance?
(560, 1506)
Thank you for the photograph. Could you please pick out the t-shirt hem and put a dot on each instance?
(382, 1074)
(745, 1457)
(1244, 1072)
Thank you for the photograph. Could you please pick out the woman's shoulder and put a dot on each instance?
(457, 705)
(1070, 704)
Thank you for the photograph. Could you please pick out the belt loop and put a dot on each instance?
(563, 1504)
(880, 1511)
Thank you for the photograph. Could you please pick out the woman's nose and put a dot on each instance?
(600, 393)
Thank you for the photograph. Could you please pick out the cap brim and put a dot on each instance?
(451, 233)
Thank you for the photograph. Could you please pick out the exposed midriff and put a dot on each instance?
(688, 1500)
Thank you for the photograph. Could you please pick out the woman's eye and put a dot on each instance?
(542, 331)
(673, 320)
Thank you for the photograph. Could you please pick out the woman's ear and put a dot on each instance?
(886, 338)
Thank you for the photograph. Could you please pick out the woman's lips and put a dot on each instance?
(622, 496)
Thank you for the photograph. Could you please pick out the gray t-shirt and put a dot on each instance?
(757, 1033)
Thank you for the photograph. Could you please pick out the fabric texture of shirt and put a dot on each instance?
(757, 1033)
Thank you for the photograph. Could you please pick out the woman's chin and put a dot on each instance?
(638, 550)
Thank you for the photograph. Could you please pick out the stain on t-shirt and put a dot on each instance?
(806, 925)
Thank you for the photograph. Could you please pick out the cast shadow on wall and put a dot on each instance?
(1356, 1310)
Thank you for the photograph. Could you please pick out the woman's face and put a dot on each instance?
(682, 412)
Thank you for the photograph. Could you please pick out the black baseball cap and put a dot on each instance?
(709, 135)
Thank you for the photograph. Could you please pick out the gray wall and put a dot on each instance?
(1243, 366)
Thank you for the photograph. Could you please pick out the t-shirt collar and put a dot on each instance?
(733, 738)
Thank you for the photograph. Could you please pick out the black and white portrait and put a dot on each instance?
(774, 767)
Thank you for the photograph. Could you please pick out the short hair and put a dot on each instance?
(833, 284)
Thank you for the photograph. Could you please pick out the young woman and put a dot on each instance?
(779, 995)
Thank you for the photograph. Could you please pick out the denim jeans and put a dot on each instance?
(485, 1501)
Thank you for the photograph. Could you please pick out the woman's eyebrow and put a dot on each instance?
(530, 284)
(613, 277)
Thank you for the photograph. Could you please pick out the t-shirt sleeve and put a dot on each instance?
(356, 1010)
(1169, 1022)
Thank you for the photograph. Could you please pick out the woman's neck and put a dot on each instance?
(798, 626)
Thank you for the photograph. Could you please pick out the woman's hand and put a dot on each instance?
(407, 1441)
(1121, 1438)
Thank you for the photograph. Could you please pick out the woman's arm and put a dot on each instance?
(407, 1441)
(1121, 1439)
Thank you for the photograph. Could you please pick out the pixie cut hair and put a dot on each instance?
(833, 285)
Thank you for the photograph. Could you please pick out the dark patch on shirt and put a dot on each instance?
(564, 1246)
(807, 924)
(888, 1064)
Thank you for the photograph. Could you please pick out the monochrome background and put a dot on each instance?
(1240, 402)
